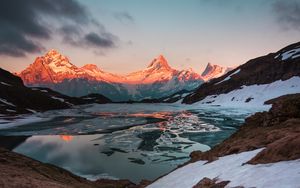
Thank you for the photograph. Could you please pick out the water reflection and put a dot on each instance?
(132, 145)
(114, 156)
(66, 138)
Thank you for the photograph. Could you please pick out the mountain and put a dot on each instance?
(254, 82)
(51, 68)
(214, 71)
(159, 80)
(15, 98)
(55, 71)
(158, 70)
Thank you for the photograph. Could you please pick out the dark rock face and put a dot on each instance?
(15, 98)
(261, 70)
(209, 183)
(277, 130)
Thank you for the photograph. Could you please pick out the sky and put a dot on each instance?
(122, 36)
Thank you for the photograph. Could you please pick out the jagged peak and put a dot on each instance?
(209, 64)
(210, 68)
(53, 56)
(52, 52)
(91, 67)
(159, 62)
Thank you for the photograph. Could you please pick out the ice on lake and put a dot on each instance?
(122, 141)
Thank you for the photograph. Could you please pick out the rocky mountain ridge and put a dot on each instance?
(55, 71)
(254, 82)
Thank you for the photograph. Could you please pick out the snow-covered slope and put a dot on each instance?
(254, 95)
(233, 168)
(158, 80)
(254, 82)
(214, 71)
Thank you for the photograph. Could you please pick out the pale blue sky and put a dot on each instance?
(189, 33)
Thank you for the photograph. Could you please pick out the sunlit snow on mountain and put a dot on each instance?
(159, 79)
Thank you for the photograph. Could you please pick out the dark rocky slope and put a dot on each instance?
(261, 70)
(19, 171)
(15, 98)
(277, 130)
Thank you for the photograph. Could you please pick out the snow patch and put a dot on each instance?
(295, 56)
(228, 77)
(6, 102)
(290, 54)
(3, 83)
(30, 110)
(57, 98)
(9, 110)
(233, 168)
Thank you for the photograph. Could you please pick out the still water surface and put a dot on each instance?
(125, 141)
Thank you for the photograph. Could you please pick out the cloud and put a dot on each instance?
(287, 13)
(12, 43)
(70, 34)
(105, 40)
(124, 17)
(78, 37)
(26, 24)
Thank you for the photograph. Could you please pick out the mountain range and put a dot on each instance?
(55, 71)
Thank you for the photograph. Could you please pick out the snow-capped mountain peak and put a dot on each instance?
(159, 63)
(214, 71)
(58, 63)
(56, 71)
(53, 67)
(52, 53)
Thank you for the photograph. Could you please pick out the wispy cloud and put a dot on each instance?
(124, 17)
(287, 13)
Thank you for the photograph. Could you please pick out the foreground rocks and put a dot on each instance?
(18, 171)
(277, 130)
